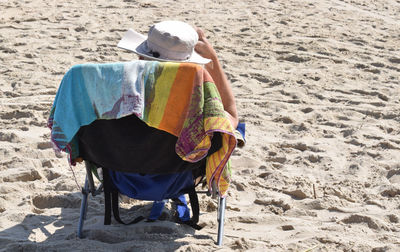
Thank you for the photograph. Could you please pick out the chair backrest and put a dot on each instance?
(129, 145)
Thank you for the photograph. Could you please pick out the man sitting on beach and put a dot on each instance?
(179, 42)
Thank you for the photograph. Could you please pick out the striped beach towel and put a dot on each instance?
(179, 98)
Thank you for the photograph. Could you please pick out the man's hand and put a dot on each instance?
(203, 47)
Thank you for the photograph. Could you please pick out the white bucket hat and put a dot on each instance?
(166, 41)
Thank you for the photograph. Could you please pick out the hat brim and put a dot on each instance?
(136, 42)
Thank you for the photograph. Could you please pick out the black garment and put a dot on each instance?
(129, 145)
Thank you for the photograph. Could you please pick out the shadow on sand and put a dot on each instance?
(54, 228)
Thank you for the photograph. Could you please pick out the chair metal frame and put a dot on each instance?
(89, 188)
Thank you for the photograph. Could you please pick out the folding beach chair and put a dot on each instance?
(93, 144)
(154, 128)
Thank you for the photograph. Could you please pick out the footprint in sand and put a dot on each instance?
(9, 137)
(360, 219)
(16, 114)
(50, 201)
(295, 59)
(307, 110)
(242, 244)
(19, 175)
(391, 191)
(44, 145)
(273, 202)
(51, 175)
(394, 176)
(393, 218)
(284, 119)
(394, 60)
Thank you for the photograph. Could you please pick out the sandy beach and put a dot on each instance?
(317, 84)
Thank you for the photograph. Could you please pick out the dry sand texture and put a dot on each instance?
(317, 83)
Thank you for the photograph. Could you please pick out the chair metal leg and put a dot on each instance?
(89, 176)
(84, 204)
(221, 217)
